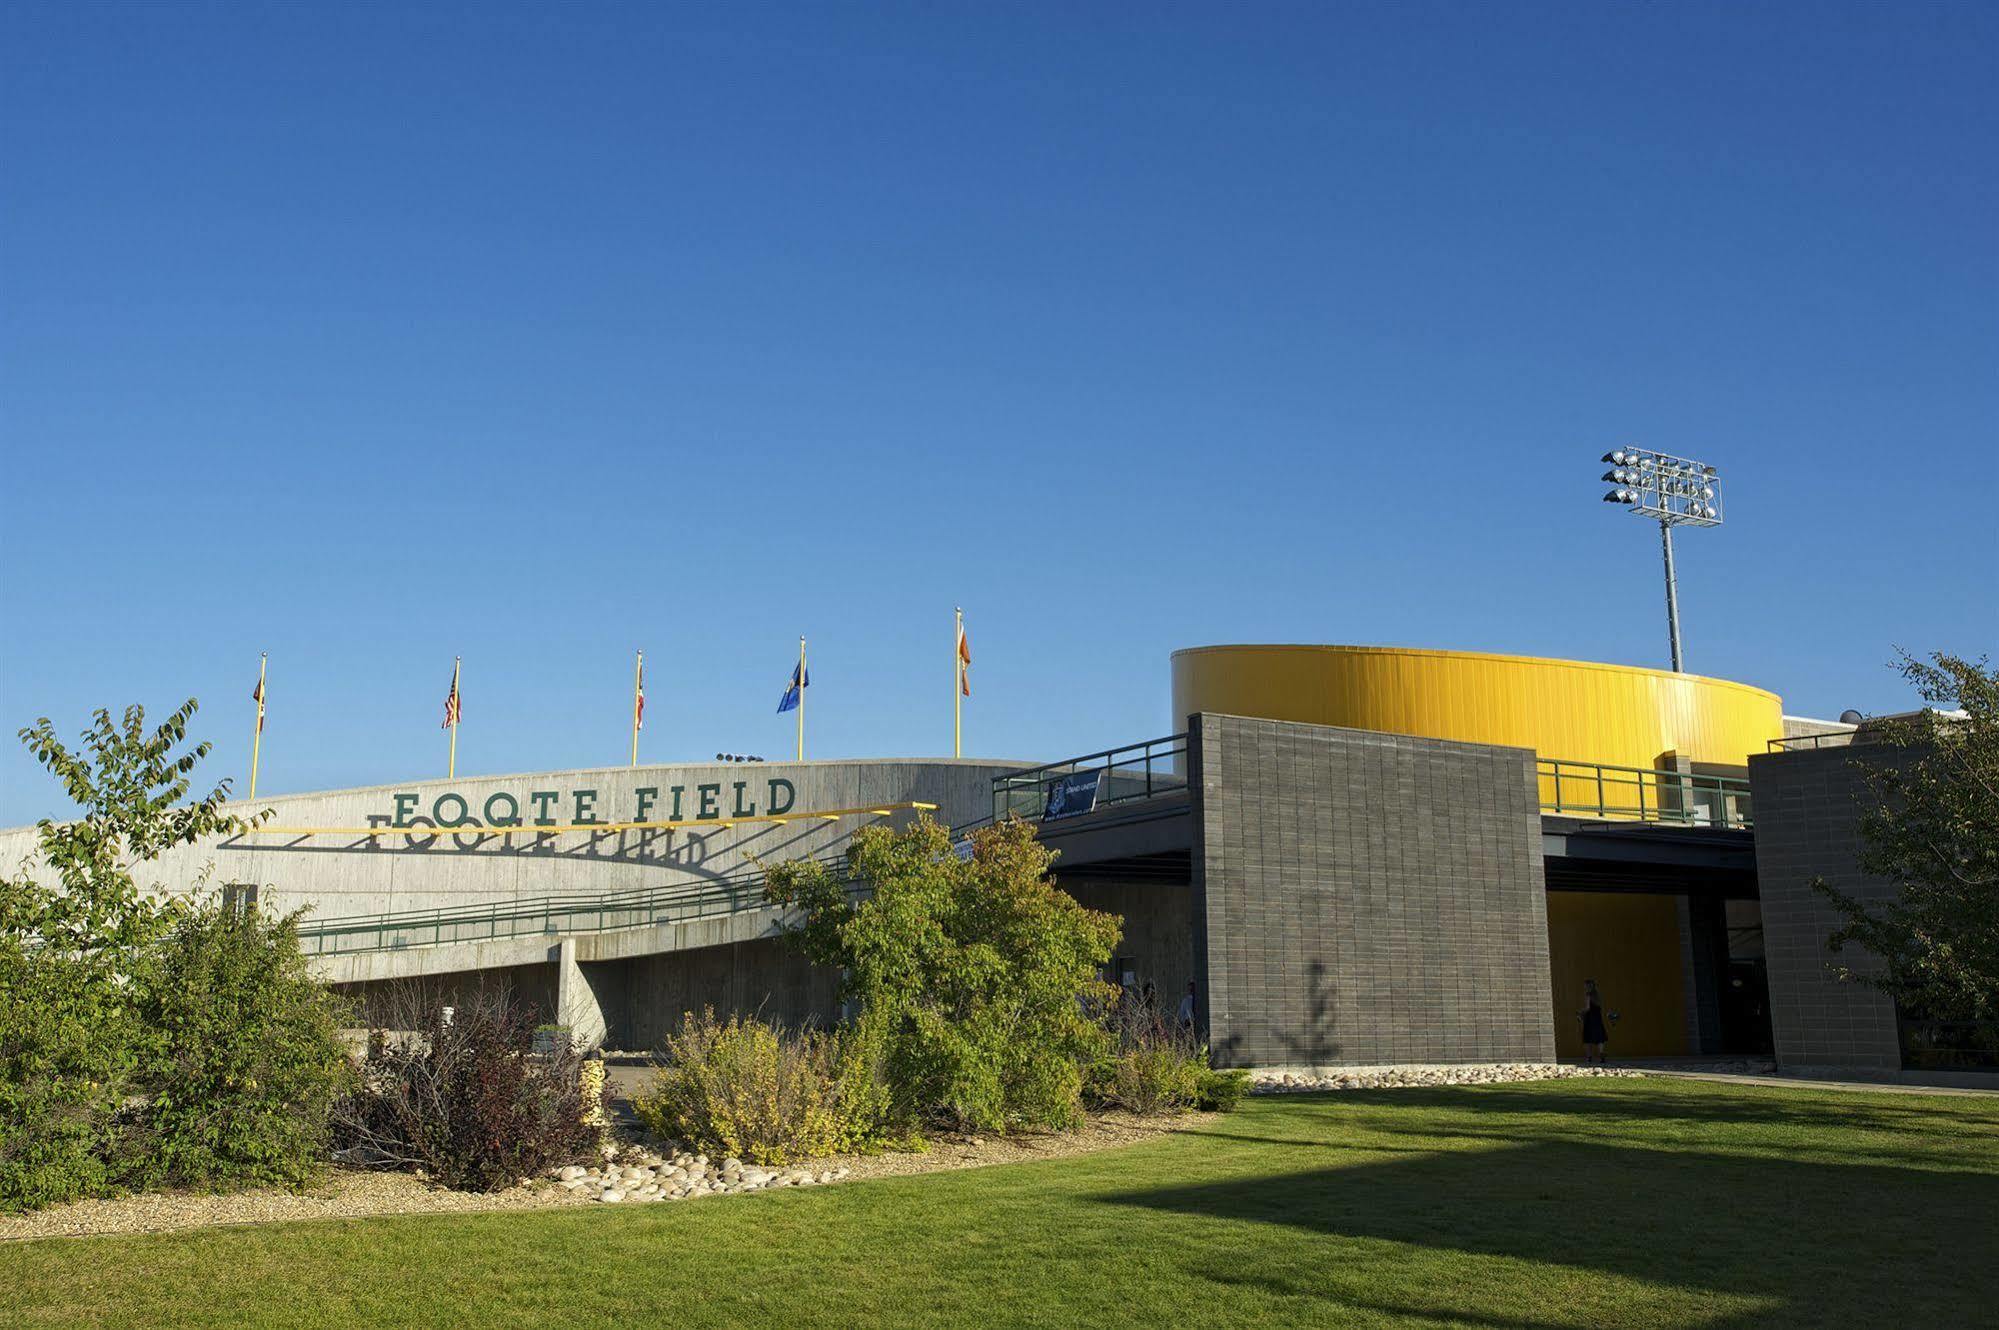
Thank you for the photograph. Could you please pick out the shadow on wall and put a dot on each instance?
(1307, 1042)
(1719, 1239)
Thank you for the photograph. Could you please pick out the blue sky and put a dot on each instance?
(372, 335)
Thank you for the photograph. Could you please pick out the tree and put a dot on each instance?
(976, 971)
(1933, 830)
(74, 951)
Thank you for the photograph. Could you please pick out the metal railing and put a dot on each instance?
(550, 916)
(1639, 794)
(1135, 771)
(1832, 739)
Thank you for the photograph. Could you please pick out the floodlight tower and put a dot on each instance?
(1674, 492)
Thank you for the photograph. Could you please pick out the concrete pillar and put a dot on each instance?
(576, 1004)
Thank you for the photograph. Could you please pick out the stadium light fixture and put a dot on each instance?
(1672, 491)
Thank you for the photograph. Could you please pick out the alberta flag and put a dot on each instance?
(801, 679)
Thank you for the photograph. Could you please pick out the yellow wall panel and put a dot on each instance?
(1580, 711)
(1630, 944)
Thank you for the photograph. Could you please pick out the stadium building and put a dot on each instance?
(1357, 855)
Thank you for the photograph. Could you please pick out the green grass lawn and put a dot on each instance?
(1608, 1203)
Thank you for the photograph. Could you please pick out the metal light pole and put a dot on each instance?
(1673, 491)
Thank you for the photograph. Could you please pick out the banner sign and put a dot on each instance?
(1074, 794)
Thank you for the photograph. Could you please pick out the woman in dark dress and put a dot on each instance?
(1595, 1033)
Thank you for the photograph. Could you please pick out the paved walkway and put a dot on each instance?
(1762, 1071)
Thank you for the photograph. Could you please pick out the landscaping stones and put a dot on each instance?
(637, 1175)
(1321, 1079)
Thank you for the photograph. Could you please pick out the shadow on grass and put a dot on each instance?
(1935, 1136)
(1809, 1242)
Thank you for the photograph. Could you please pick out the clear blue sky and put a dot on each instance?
(373, 334)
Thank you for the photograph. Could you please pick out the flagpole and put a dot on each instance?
(801, 699)
(451, 773)
(958, 688)
(638, 675)
(257, 741)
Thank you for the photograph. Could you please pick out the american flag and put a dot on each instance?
(454, 710)
(257, 696)
(639, 702)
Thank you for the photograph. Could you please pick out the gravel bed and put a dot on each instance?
(345, 1194)
(354, 1193)
(1390, 1078)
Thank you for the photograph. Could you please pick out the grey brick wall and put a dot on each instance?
(1808, 806)
(1365, 898)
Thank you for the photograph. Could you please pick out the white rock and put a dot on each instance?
(610, 1196)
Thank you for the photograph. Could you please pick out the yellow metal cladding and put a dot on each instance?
(1580, 711)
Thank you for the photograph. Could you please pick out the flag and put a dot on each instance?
(257, 696)
(801, 678)
(639, 702)
(964, 662)
(454, 709)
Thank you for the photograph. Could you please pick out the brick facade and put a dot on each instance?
(1808, 808)
(1362, 897)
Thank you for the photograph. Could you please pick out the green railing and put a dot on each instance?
(1136, 771)
(550, 916)
(1638, 794)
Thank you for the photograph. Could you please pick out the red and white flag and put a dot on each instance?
(639, 697)
(454, 710)
(257, 696)
(964, 662)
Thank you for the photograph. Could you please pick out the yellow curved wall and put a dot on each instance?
(1578, 711)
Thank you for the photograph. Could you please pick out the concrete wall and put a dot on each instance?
(1368, 898)
(1808, 808)
(1158, 930)
(643, 998)
(343, 875)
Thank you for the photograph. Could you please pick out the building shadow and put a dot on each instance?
(1784, 1241)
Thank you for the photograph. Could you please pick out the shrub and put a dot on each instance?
(1160, 1077)
(244, 1056)
(66, 1049)
(1160, 1069)
(461, 1095)
(743, 1087)
(1222, 1089)
(976, 971)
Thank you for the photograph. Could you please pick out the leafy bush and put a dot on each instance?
(244, 1055)
(771, 1096)
(76, 940)
(1221, 1089)
(1159, 1069)
(66, 1052)
(977, 974)
(461, 1095)
(1156, 1077)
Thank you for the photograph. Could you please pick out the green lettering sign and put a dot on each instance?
(711, 796)
(542, 799)
(513, 814)
(790, 796)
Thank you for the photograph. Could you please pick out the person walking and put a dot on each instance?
(1187, 1010)
(1595, 1032)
